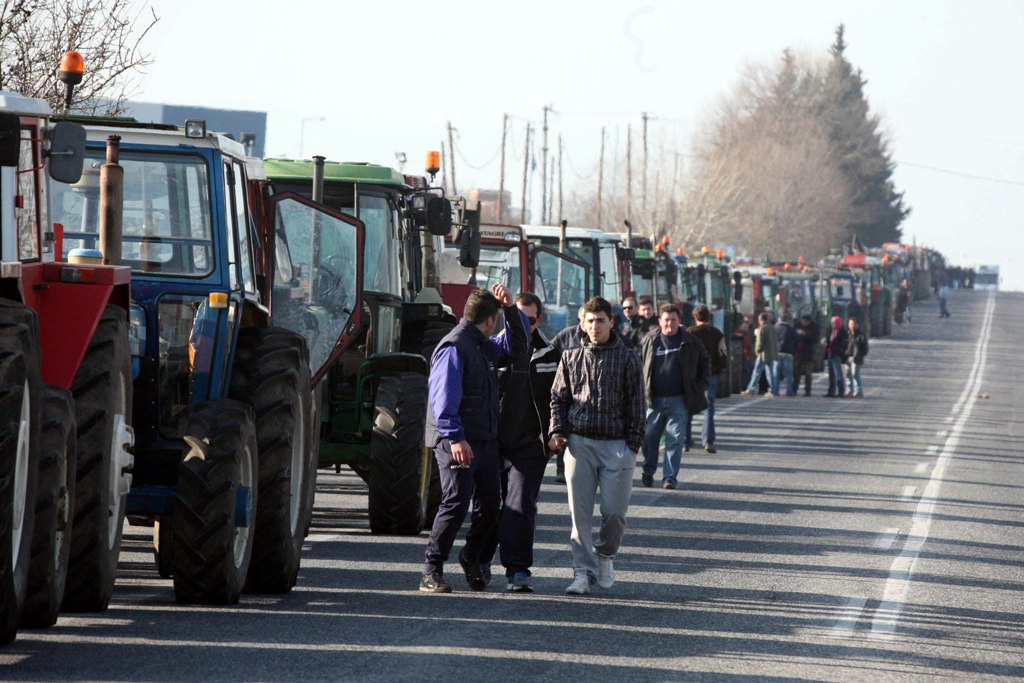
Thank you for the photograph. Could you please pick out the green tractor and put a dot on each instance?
(374, 399)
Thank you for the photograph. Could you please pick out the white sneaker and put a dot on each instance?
(605, 572)
(580, 584)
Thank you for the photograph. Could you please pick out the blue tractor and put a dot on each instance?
(224, 416)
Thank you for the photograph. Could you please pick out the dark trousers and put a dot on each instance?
(457, 489)
(521, 476)
(805, 370)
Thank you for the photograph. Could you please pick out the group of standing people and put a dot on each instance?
(785, 353)
(597, 394)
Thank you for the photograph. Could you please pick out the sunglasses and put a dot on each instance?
(533, 321)
(628, 308)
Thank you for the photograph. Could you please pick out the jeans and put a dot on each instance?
(667, 415)
(707, 433)
(784, 371)
(591, 464)
(836, 385)
(521, 476)
(457, 490)
(943, 311)
(761, 367)
(853, 377)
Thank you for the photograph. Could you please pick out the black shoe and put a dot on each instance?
(686, 449)
(434, 583)
(474, 577)
(710, 448)
(559, 476)
(647, 479)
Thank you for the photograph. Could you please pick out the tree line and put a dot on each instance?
(792, 162)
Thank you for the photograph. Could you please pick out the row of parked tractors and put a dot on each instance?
(186, 334)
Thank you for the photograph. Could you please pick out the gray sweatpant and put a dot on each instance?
(591, 464)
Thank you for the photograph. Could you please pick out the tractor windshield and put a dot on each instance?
(499, 263)
(167, 224)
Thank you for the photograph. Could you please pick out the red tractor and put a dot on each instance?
(65, 381)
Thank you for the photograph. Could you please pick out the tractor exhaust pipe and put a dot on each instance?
(111, 203)
(318, 179)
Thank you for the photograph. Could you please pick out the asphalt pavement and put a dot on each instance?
(875, 539)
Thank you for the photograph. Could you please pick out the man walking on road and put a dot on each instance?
(766, 346)
(597, 415)
(714, 343)
(786, 337)
(808, 339)
(835, 348)
(463, 427)
(943, 296)
(856, 350)
(676, 371)
(524, 397)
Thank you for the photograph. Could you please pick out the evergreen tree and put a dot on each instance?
(863, 153)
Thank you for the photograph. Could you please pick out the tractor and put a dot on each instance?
(223, 399)
(374, 399)
(65, 382)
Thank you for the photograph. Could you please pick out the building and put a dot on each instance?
(244, 125)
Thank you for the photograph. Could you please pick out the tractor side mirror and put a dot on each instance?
(67, 152)
(469, 241)
(10, 140)
(439, 216)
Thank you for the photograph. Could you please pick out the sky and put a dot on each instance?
(364, 81)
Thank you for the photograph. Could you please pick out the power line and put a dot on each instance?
(477, 168)
(961, 174)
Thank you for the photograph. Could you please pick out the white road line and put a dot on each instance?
(932, 450)
(887, 538)
(848, 617)
(909, 491)
(886, 619)
(921, 467)
(941, 434)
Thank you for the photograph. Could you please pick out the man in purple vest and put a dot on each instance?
(463, 429)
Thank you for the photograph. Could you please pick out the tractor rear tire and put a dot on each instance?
(399, 472)
(55, 499)
(213, 533)
(271, 374)
(21, 389)
(433, 333)
(102, 392)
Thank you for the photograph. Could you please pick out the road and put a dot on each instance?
(840, 540)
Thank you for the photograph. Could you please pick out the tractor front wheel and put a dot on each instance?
(399, 471)
(217, 496)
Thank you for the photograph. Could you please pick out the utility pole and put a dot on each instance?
(501, 177)
(629, 172)
(643, 190)
(444, 167)
(551, 190)
(526, 174)
(600, 181)
(451, 155)
(561, 215)
(544, 169)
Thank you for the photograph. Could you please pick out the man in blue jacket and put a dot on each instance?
(463, 428)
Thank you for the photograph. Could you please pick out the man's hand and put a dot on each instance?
(556, 443)
(502, 294)
(462, 452)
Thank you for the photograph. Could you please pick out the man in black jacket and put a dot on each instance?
(856, 350)
(714, 343)
(524, 396)
(676, 369)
